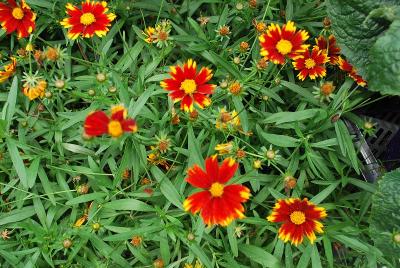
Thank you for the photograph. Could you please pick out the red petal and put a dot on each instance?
(198, 178)
(96, 124)
(227, 170)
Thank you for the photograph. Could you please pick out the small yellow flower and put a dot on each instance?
(224, 148)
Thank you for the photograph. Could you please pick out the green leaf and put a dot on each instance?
(85, 198)
(195, 156)
(385, 214)
(17, 162)
(362, 32)
(244, 121)
(166, 187)
(232, 239)
(279, 140)
(128, 204)
(11, 101)
(324, 193)
(383, 72)
(259, 255)
(17, 215)
(285, 117)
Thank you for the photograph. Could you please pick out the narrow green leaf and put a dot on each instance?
(129, 204)
(17, 162)
(324, 193)
(85, 198)
(259, 255)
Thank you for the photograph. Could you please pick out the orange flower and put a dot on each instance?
(218, 203)
(330, 47)
(98, 123)
(189, 86)
(311, 64)
(299, 218)
(9, 70)
(352, 72)
(280, 43)
(17, 18)
(91, 19)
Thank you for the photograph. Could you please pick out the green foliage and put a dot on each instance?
(367, 32)
(101, 194)
(385, 216)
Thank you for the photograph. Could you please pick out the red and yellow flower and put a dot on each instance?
(278, 43)
(17, 18)
(218, 203)
(329, 45)
(311, 64)
(99, 123)
(92, 18)
(344, 65)
(9, 70)
(299, 217)
(189, 86)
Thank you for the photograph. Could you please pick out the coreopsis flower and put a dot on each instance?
(344, 65)
(224, 148)
(203, 20)
(17, 18)
(163, 143)
(189, 86)
(92, 18)
(260, 26)
(330, 46)
(99, 123)
(227, 120)
(218, 202)
(223, 31)
(235, 88)
(299, 217)
(324, 91)
(197, 264)
(278, 43)
(155, 158)
(311, 64)
(34, 86)
(159, 34)
(9, 70)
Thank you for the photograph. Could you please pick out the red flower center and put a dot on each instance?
(284, 46)
(310, 63)
(115, 128)
(217, 189)
(18, 13)
(87, 18)
(297, 217)
(189, 86)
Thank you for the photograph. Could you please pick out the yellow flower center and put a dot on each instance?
(284, 46)
(87, 18)
(217, 189)
(115, 128)
(18, 13)
(310, 63)
(189, 86)
(298, 217)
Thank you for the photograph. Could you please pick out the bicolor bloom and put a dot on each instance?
(218, 203)
(9, 70)
(344, 65)
(17, 18)
(189, 86)
(92, 18)
(299, 217)
(278, 43)
(330, 46)
(311, 64)
(34, 86)
(228, 120)
(99, 123)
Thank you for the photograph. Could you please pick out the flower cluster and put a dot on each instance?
(279, 44)
(99, 123)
